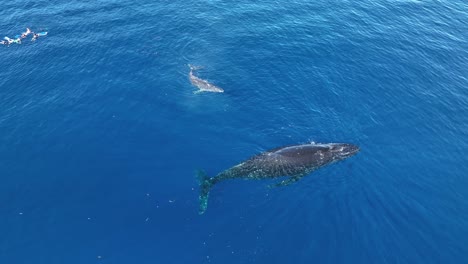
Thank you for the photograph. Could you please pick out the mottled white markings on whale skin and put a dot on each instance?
(202, 85)
(294, 162)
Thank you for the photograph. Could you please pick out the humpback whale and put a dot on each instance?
(202, 85)
(293, 162)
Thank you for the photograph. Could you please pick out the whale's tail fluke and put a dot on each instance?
(205, 186)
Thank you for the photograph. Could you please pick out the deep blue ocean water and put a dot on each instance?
(101, 133)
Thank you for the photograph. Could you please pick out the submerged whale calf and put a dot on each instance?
(293, 162)
(202, 85)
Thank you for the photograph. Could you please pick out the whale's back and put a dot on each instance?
(203, 85)
(309, 155)
(284, 161)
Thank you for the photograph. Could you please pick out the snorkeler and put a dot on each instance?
(11, 41)
(7, 40)
(40, 34)
(18, 38)
(25, 34)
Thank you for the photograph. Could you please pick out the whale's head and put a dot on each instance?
(341, 151)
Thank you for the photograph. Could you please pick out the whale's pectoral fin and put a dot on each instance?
(198, 91)
(287, 181)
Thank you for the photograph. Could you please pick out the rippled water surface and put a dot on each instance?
(101, 133)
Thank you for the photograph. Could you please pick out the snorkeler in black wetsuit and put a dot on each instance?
(35, 36)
